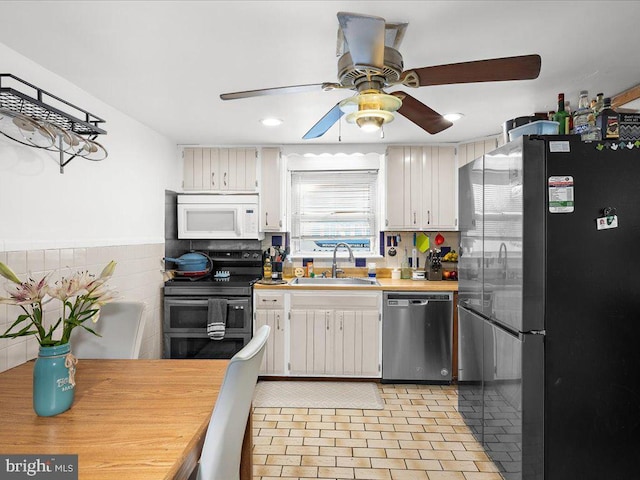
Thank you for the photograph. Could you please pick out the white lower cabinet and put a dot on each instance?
(311, 343)
(332, 334)
(357, 343)
(269, 310)
(321, 333)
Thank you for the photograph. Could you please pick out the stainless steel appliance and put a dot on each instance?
(216, 216)
(191, 304)
(548, 312)
(417, 336)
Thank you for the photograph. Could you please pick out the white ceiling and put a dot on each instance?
(165, 63)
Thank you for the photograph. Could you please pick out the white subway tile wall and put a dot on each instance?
(138, 276)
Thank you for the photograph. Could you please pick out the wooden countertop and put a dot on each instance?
(385, 284)
(131, 419)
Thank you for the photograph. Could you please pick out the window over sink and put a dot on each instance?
(332, 206)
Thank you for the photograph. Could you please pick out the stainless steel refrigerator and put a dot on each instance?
(549, 307)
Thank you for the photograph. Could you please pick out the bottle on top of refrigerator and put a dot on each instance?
(581, 115)
(561, 115)
(599, 104)
(568, 125)
(608, 121)
(584, 120)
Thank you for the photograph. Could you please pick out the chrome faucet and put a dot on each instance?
(334, 266)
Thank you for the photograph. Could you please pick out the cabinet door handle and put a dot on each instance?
(386, 222)
(428, 217)
(414, 218)
(225, 179)
(266, 219)
(341, 324)
(277, 322)
(213, 181)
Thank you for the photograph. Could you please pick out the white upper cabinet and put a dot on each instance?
(439, 192)
(220, 169)
(271, 198)
(421, 188)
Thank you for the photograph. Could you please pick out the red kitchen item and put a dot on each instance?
(439, 239)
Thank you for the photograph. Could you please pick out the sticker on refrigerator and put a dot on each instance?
(561, 194)
(559, 147)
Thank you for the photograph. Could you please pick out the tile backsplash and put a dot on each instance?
(403, 240)
(138, 276)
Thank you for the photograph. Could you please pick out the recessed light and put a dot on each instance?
(452, 117)
(271, 122)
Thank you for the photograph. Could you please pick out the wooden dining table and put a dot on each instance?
(130, 419)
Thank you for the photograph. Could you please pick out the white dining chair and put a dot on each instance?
(121, 325)
(220, 458)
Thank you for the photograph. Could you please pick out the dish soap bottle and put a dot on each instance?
(287, 269)
(267, 269)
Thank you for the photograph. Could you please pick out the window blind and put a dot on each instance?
(334, 205)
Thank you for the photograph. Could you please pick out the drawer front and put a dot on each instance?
(343, 302)
(184, 345)
(269, 300)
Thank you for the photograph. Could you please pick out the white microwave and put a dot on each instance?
(218, 217)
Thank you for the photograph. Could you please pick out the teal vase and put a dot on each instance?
(53, 380)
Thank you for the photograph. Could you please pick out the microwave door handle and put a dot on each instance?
(239, 218)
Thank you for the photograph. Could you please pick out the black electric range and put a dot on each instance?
(224, 295)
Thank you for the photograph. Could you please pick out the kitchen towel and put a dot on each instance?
(217, 318)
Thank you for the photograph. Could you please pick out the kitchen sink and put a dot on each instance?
(344, 281)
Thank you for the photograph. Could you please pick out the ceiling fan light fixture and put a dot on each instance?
(370, 109)
(370, 120)
(453, 117)
(271, 122)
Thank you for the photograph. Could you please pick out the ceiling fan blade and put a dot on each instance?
(325, 123)
(525, 67)
(421, 115)
(274, 91)
(364, 35)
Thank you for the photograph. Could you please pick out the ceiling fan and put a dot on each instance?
(370, 61)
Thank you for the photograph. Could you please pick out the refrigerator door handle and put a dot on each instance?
(537, 332)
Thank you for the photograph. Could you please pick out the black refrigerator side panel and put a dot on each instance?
(592, 311)
(533, 235)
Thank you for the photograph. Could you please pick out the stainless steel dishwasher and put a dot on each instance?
(417, 337)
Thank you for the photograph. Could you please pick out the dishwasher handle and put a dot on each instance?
(406, 302)
(419, 302)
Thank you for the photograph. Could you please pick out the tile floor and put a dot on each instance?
(418, 435)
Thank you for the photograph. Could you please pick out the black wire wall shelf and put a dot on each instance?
(68, 124)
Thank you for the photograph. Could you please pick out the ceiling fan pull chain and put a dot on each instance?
(340, 129)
